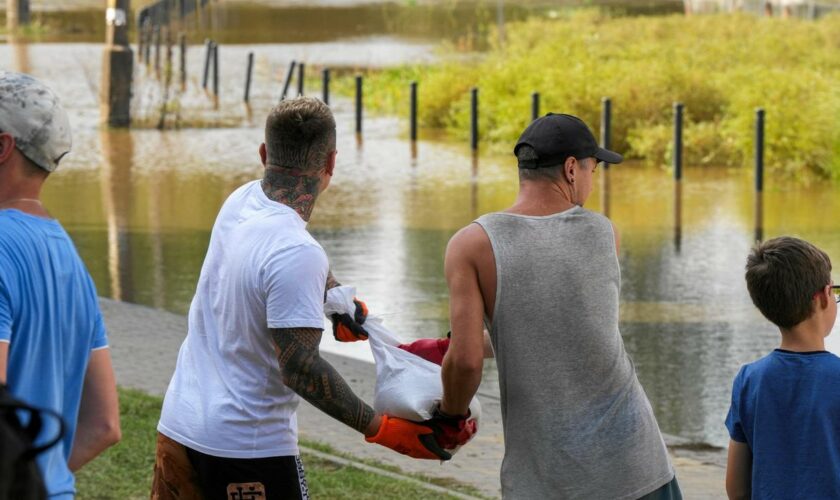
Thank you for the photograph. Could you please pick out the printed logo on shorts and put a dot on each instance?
(246, 491)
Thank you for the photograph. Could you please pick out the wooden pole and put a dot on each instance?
(117, 67)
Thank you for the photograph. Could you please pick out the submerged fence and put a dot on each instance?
(293, 83)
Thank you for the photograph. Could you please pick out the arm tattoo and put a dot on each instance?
(315, 380)
(291, 187)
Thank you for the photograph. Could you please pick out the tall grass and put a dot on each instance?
(722, 67)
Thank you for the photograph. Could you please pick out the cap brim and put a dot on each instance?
(608, 156)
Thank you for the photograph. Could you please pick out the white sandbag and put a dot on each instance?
(407, 386)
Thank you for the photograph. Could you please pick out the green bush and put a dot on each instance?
(722, 67)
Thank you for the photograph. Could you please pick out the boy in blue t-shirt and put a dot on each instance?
(784, 419)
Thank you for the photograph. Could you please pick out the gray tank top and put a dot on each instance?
(577, 423)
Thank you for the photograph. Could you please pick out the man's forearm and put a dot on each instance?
(460, 383)
(98, 423)
(316, 381)
(331, 281)
(90, 440)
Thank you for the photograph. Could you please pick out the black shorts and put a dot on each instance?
(270, 478)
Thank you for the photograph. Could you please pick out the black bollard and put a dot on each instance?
(182, 42)
(141, 41)
(170, 66)
(474, 118)
(289, 75)
(759, 174)
(147, 53)
(412, 112)
(157, 50)
(359, 104)
(678, 146)
(759, 150)
(606, 122)
(535, 106)
(248, 71)
(606, 125)
(325, 78)
(215, 69)
(678, 140)
(301, 74)
(208, 49)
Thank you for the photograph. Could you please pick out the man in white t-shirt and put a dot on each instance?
(228, 427)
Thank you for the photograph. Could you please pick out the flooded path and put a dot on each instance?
(140, 205)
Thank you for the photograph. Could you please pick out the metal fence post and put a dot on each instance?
(535, 106)
(474, 118)
(248, 71)
(413, 111)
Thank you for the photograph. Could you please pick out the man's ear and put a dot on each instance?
(569, 169)
(7, 147)
(263, 154)
(330, 166)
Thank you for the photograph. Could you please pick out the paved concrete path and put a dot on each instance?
(145, 343)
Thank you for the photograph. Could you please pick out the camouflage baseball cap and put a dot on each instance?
(32, 114)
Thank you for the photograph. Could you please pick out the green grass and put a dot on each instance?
(722, 67)
(125, 471)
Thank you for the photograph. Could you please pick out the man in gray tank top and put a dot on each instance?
(544, 276)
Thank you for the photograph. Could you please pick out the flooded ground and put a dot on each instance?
(465, 23)
(140, 205)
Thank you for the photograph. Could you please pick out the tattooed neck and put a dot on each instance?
(291, 187)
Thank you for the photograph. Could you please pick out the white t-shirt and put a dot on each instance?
(262, 270)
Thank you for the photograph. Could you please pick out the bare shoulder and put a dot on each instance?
(470, 242)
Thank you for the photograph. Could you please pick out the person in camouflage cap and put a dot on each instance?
(32, 114)
(52, 338)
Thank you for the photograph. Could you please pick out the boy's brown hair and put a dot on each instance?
(783, 274)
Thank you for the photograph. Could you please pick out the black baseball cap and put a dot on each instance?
(556, 137)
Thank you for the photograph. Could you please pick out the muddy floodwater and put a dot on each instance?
(140, 205)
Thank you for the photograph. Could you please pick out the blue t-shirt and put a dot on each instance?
(49, 315)
(786, 407)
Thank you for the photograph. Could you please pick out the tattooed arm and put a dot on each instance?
(331, 281)
(315, 380)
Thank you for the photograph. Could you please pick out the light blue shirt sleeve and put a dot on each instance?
(5, 314)
(100, 338)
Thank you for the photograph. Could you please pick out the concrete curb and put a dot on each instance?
(382, 472)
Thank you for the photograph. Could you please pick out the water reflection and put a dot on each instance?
(464, 23)
(605, 190)
(677, 215)
(117, 195)
(20, 48)
(474, 187)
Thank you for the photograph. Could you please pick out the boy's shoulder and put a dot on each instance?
(780, 362)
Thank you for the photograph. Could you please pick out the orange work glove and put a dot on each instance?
(416, 440)
(429, 349)
(349, 329)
